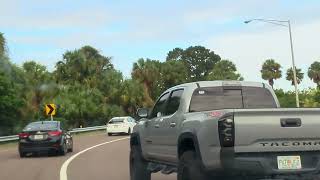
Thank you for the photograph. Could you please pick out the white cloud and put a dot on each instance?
(249, 49)
(45, 15)
(185, 23)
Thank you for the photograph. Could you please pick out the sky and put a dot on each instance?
(128, 30)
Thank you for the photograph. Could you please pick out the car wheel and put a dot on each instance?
(109, 134)
(138, 166)
(129, 131)
(22, 154)
(189, 167)
(71, 147)
(63, 149)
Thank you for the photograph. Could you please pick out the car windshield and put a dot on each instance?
(116, 121)
(43, 125)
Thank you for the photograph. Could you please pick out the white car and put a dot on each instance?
(120, 125)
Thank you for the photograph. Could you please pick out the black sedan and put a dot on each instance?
(44, 136)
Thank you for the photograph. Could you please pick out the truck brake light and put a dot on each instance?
(226, 131)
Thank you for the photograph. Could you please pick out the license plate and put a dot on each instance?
(289, 162)
(38, 137)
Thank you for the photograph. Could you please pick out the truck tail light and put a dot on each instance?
(226, 131)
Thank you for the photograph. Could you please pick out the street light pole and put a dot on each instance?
(293, 67)
(278, 22)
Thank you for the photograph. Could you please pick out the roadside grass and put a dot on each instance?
(90, 133)
(8, 145)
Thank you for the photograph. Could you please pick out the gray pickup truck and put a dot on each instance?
(225, 129)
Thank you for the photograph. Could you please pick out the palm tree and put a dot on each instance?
(271, 71)
(37, 77)
(2, 44)
(290, 77)
(147, 72)
(314, 73)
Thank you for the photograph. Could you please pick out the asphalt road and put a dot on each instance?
(108, 162)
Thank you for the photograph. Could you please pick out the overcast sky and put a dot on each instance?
(128, 30)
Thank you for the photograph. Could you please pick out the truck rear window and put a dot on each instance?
(213, 98)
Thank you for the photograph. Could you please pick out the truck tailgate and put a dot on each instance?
(277, 130)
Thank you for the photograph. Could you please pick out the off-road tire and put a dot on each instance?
(138, 165)
(190, 168)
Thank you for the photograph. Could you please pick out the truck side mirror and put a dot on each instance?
(143, 112)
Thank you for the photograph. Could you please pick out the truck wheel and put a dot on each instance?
(138, 166)
(189, 167)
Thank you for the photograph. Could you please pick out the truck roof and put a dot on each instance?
(222, 83)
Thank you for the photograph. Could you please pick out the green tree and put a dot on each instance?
(132, 96)
(290, 77)
(10, 105)
(271, 71)
(312, 100)
(314, 73)
(2, 45)
(175, 55)
(91, 88)
(172, 74)
(79, 105)
(286, 99)
(110, 86)
(85, 66)
(36, 88)
(18, 79)
(198, 60)
(224, 70)
(147, 72)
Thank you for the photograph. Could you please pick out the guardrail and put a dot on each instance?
(94, 128)
(75, 130)
(9, 138)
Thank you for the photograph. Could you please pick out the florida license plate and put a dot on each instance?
(289, 162)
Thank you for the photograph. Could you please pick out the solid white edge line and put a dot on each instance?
(64, 167)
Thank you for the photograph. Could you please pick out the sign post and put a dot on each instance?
(50, 110)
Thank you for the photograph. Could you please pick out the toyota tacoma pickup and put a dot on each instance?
(225, 129)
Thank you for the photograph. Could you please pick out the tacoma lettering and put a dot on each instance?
(296, 143)
(307, 143)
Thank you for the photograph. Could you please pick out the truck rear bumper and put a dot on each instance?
(265, 163)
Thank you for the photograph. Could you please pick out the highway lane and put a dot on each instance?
(109, 161)
(12, 167)
(106, 162)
